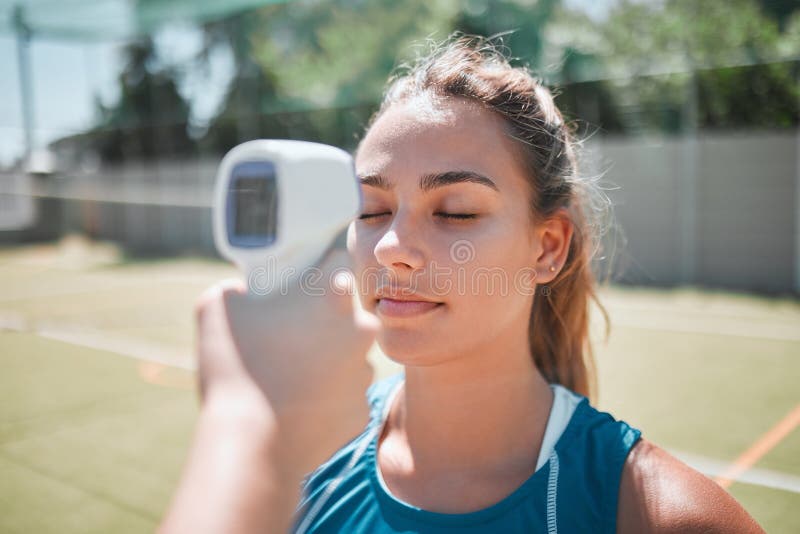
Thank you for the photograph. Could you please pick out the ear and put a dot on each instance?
(553, 236)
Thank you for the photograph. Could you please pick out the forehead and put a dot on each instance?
(423, 135)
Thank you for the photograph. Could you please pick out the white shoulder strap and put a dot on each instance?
(564, 404)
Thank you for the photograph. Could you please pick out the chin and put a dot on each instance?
(412, 347)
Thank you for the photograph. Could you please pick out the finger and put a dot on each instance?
(220, 288)
(343, 282)
(232, 285)
(213, 294)
(342, 289)
(366, 321)
(338, 279)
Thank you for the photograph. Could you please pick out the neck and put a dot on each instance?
(466, 414)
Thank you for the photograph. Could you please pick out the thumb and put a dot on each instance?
(338, 279)
(345, 281)
(345, 288)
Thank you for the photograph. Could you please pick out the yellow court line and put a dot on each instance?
(762, 446)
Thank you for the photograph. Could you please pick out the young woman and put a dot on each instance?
(474, 250)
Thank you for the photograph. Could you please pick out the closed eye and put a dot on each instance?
(372, 215)
(460, 216)
(456, 215)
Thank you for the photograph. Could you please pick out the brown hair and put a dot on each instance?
(475, 68)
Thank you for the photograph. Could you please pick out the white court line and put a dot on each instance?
(153, 353)
(118, 344)
(756, 476)
(772, 332)
(143, 280)
(121, 345)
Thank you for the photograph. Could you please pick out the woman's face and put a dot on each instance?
(445, 230)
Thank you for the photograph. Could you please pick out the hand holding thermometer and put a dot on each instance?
(279, 204)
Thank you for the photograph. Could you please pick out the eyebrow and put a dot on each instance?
(428, 182)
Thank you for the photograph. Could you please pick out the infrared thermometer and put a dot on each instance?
(278, 206)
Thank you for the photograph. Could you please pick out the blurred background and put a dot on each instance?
(114, 115)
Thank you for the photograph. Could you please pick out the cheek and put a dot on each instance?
(491, 292)
(498, 248)
(363, 265)
(492, 289)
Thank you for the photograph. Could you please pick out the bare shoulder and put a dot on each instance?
(658, 493)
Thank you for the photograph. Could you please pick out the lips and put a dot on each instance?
(396, 302)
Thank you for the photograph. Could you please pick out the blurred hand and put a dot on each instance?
(295, 362)
(282, 383)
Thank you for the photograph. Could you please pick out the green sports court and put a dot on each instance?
(98, 399)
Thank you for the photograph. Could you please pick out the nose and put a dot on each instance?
(398, 247)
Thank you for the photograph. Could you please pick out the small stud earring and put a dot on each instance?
(552, 268)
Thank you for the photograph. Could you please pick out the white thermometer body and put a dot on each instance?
(279, 204)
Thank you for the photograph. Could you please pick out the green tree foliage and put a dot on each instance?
(315, 70)
(150, 117)
(253, 88)
(329, 62)
(526, 22)
(684, 64)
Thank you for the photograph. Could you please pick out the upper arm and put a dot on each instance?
(658, 494)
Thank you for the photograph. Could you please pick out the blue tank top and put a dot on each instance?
(574, 490)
